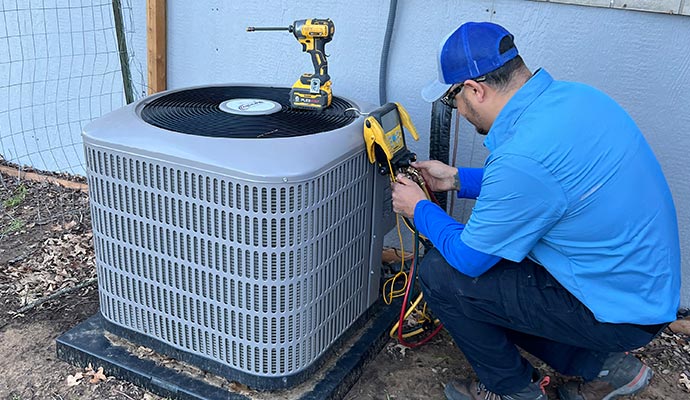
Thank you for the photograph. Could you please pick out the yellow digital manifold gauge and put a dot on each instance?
(385, 137)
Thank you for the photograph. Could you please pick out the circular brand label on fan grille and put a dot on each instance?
(250, 106)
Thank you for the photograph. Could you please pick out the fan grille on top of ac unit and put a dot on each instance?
(197, 112)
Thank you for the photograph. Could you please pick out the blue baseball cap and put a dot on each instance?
(472, 50)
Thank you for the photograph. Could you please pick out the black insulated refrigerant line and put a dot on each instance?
(439, 141)
(383, 66)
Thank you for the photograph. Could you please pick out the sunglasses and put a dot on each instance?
(449, 97)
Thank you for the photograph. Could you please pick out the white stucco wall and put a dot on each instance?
(639, 58)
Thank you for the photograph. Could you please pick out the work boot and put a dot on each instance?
(622, 374)
(475, 390)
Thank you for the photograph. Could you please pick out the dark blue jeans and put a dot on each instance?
(521, 304)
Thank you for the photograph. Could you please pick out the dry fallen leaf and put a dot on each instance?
(684, 381)
(98, 376)
(73, 380)
(238, 387)
(70, 225)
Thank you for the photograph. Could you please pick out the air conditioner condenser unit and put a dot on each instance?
(235, 230)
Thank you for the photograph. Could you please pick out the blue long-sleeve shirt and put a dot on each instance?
(470, 182)
(571, 183)
(444, 232)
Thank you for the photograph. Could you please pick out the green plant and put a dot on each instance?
(17, 198)
(14, 226)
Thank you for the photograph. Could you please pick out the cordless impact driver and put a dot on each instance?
(310, 91)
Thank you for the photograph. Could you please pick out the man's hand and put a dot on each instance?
(406, 195)
(439, 177)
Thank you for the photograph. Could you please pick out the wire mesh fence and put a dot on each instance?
(60, 67)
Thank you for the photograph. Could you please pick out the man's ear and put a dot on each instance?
(477, 90)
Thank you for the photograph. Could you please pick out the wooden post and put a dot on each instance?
(156, 43)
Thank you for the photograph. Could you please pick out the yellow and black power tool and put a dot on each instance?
(311, 91)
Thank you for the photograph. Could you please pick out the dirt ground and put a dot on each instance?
(47, 286)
